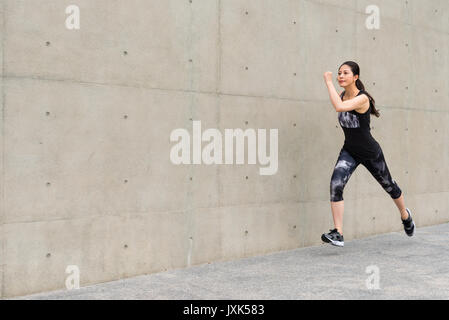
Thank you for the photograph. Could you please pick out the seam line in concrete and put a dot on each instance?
(387, 107)
(249, 205)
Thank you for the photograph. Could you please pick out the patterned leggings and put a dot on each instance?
(346, 165)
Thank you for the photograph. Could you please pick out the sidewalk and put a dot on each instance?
(408, 268)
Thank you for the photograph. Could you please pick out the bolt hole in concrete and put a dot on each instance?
(47, 43)
(48, 184)
(125, 246)
(48, 255)
(47, 113)
(125, 116)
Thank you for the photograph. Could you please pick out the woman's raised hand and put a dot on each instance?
(328, 76)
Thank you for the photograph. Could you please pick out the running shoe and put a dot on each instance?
(333, 237)
(409, 224)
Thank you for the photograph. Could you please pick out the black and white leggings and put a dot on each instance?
(346, 165)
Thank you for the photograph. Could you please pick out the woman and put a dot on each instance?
(354, 107)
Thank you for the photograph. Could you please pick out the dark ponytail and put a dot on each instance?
(359, 84)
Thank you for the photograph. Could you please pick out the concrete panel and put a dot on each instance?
(385, 73)
(95, 159)
(160, 39)
(428, 158)
(253, 230)
(317, 219)
(429, 69)
(429, 208)
(329, 31)
(430, 14)
(367, 216)
(259, 113)
(259, 58)
(103, 248)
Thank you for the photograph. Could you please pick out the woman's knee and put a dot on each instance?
(336, 190)
(394, 191)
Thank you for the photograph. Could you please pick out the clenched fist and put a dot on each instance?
(328, 76)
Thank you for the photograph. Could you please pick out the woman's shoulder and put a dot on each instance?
(366, 94)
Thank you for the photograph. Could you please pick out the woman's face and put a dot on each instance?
(345, 76)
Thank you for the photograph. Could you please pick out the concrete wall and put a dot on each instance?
(86, 175)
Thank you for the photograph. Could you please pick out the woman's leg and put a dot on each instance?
(338, 209)
(379, 169)
(343, 170)
(401, 206)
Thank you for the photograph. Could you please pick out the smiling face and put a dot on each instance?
(345, 76)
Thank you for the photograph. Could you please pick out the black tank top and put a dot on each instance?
(358, 139)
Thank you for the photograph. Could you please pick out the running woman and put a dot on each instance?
(354, 107)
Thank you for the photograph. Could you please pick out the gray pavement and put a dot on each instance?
(407, 268)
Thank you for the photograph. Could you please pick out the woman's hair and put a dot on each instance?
(356, 71)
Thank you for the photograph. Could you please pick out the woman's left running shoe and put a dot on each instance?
(333, 237)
